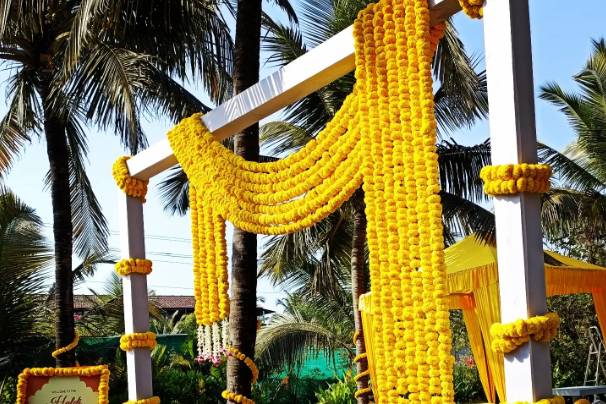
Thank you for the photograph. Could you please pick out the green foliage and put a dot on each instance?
(467, 385)
(196, 386)
(24, 256)
(569, 349)
(288, 390)
(341, 392)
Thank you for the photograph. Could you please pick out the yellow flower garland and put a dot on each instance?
(473, 8)
(238, 398)
(509, 337)
(510, 179)
(361, 392)
(235, 352)
(582, 401)
(131, 186)
(383, 136)
(138, 340)
(151, 400)
(101, 370)
(230, 395)
(129, 266)
(72, 345)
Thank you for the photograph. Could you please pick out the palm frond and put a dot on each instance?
(88, 266)
(460, 168)
(306, 325)
(202, 45)
(571, 105)
(174, 191)
(83, 24)
(570, 171)
(462, 98)
(282, 137)
(107, 82)
(287, 7)
(462, 218)
(20, 120)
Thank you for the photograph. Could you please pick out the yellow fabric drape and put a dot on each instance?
(488, 312)
(478, 349)
(365, 306)
(599, 302)
(471, 268)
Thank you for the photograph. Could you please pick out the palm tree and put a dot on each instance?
(78, 60)
(24, 258)
(580, 203)
(242, 318)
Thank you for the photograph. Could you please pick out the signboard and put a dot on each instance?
(79, 385)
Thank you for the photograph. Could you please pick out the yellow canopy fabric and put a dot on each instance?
(471, 268)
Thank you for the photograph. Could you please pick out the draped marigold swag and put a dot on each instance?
(384, 137)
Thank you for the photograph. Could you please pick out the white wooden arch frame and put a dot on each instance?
(513, 137)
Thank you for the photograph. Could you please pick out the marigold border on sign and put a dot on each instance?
(102, 371)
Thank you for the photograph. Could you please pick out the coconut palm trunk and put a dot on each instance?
(243, 319)
(58, 159)
(359, 283)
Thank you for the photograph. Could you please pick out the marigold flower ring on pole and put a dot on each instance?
(131, 186)
(511, 179)
(138, 340)
(509, 337)
(130, 266)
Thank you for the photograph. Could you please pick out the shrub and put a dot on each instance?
(341, 392)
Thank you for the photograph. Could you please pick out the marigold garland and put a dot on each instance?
(236, 353)
(230, 395)
(151, 400)
(71, 346)
(363, 391)
(102, 371)
(384, 136)
(138, 340)
(510, 179)
(582, 401)
(130, 266)
(473, 8)
(509, 337)
(131, 186)
(238, 398)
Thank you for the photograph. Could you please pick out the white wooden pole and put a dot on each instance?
(519, 234)
(136, 308)
(310, 72)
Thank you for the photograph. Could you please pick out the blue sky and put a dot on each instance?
(562, 34)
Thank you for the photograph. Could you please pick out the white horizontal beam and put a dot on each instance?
(308, 73)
